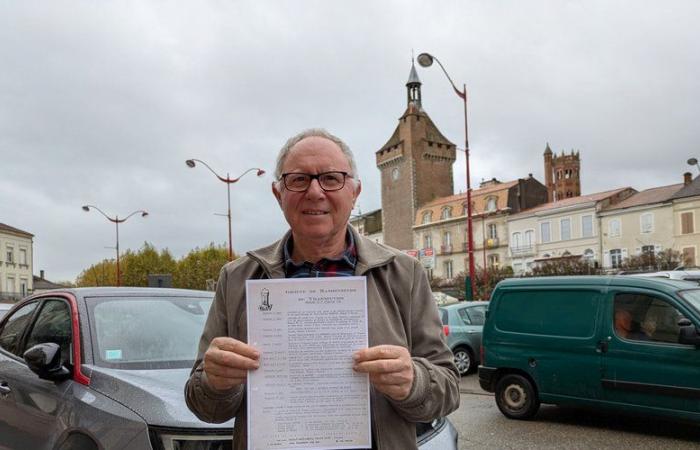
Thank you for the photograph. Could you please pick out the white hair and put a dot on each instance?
(313, 132)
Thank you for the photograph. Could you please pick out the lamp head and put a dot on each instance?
(260, 172)
(190, 163)
(425, 60)
(144, 213)
(86, 208)
(692, 161)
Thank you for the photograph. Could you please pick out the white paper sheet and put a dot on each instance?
(305, 394)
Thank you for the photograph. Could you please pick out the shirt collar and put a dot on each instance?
(349, 255)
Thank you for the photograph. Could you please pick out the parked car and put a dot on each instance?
(4, 307)
(463, 323)
(96, 368)
(629, 343)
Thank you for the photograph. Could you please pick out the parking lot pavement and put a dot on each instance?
(469, 384)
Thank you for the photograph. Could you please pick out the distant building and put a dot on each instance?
(369, 224)
(686, 213)
(416, 168)
(562, 175)
(441, 225)
(563, 229)
(41, 284)
(641, 224)
(16, 255)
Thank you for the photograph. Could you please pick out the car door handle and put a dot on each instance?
(602, 346)
(4, 388)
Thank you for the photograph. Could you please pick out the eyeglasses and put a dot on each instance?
(329, 181)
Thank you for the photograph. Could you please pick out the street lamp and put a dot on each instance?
(229, 181)
(426, 60)
(694, 162)
(116, 220)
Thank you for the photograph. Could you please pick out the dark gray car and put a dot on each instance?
(463, 323)
(105, 368)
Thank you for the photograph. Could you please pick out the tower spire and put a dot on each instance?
(413, 86)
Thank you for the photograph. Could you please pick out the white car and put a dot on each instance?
(687, 275)
(4, 307)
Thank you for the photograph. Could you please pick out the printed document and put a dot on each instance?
(305, 394)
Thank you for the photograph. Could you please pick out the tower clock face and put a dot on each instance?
(395, 173)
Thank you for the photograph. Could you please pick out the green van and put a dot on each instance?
(622, 342)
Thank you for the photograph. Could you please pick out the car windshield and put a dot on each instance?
(693, 297)
(147, 332)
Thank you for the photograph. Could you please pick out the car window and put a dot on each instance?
(443, 316)
(642, 317)
(462, 312)
(147, 333)
(12, 331)
(476, 314)
(53, 324)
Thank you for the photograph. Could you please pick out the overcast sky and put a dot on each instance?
(102, 102)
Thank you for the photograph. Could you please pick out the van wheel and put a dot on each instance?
(516, 397)
(463, 360)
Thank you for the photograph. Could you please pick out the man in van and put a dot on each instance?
(624, 326)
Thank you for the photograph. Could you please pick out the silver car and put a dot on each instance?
(105, 368)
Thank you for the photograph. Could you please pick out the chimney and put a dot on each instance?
(41, 274)
(687, 178)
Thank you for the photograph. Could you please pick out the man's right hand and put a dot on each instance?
(227, 362)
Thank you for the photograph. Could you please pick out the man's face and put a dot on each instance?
(315, 213)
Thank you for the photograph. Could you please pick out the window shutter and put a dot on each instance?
(657, 249)
(637, 251)
(606, 259)
(624, 253)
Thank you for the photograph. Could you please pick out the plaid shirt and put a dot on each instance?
(343, 266)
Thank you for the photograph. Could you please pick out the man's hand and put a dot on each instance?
(390, 369)
(227, 362)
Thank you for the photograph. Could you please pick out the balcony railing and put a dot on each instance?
(523, 250)
(445, 249)
(11, 296)
(491, 242)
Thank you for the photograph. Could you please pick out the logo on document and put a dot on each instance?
(265, 304)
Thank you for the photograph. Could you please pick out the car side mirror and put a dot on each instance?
(45, 361)
(689, 335)
(684, 322)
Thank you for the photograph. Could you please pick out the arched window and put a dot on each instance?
(446, 212)
(427, 217)
(491, 204)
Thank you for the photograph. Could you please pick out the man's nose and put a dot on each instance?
(315, 190)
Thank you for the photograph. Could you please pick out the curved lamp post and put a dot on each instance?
(116, 221)
(426, 60)
(191, 163)
(694, 162)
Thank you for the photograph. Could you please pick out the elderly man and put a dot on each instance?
(410, 368)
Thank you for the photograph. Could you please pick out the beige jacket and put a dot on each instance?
(401, 311)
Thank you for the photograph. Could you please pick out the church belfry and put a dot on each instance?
(413, 87)
(415, 166)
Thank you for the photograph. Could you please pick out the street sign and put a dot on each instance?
(427, 258)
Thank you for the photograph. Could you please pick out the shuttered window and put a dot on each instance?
(687, 225)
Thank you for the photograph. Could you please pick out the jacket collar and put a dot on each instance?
(369, 255)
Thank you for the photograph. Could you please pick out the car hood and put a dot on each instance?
(155, 395)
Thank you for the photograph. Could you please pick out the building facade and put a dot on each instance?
(567, 228)
(686, 213)
(640, 224)
(16, 256)
(440, 226)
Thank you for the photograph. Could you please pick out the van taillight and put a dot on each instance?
(446, 330)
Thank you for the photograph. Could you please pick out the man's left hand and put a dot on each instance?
(390, 369)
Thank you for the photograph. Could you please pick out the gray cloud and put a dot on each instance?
(102, 102)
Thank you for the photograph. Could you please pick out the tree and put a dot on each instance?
(136, 266)
(483, 287)
(200, 265)
(667, 259)
(565, 266)
(104, 273)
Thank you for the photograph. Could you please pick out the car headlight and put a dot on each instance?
(187, 439)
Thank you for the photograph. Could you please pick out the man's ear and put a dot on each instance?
(358, 189)
(276, 192)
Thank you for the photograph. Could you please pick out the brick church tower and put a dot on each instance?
(562, 175)
(415, 166)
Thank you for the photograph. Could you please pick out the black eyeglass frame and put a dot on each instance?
(316, 177)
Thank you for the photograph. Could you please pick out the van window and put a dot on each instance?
(560, 312)
(643, 317)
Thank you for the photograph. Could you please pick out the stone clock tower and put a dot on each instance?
(416, 167)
